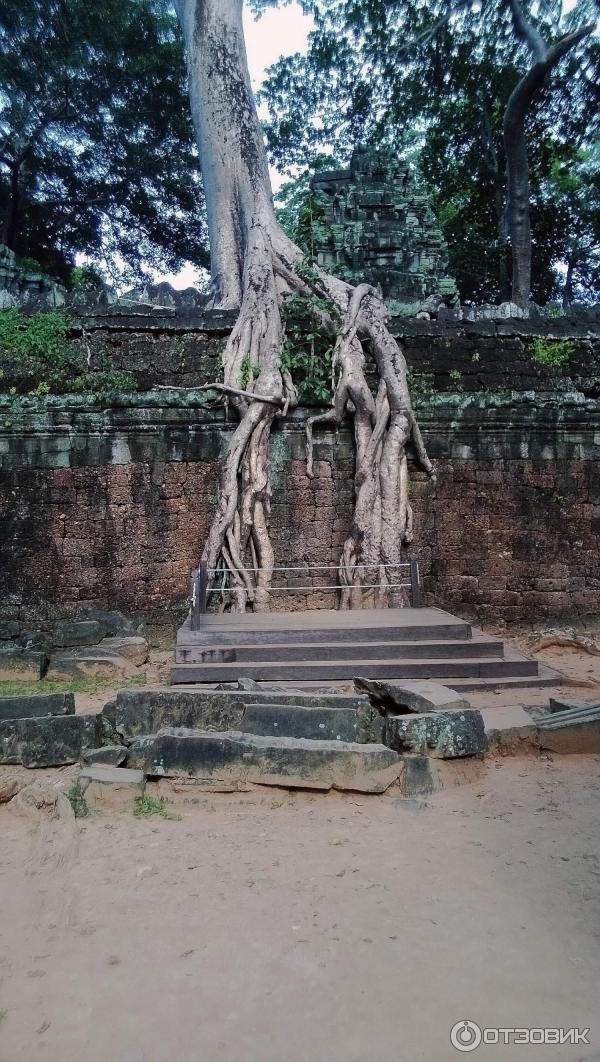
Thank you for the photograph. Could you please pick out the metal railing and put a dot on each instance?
(200, 577)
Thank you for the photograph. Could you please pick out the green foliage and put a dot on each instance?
(37, 356)
(434, 87)
(309, 342)
(146, 806)
(248, 372)
(552, 353)
(97, 136)
(85, 277)
(76, 797)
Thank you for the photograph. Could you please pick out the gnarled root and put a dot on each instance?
(384, 426)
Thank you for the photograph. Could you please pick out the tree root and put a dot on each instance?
(260, 390)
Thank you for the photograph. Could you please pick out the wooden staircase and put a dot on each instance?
(321, 646)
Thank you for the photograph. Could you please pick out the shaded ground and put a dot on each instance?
(301, 928)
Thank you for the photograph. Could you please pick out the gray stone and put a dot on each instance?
(111, 788)
(89, 663)
(146, 711)
(21, 665)
(111, 755)
(50, 741)
(131, 647)
(137, 751)
(9, 629)
(78, 632)
(114, 623)
(443, 735)
(36, 704)
(559, 704)
(235, 759)
(320, 724)
(39, 640)
(510, 730)
(411, 696)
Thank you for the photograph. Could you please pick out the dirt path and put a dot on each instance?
(277, 928)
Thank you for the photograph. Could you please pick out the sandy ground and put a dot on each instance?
(273, 927)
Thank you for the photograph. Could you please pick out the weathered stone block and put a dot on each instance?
(110, 755)
(22, 665)
(445, 735)
(46, 742)
(89, 663)
(111, 788)
(132, 647)
(233, 758)
(9, 629)
(79, 632)
(296, 721)
(37, 704)
(411, 696)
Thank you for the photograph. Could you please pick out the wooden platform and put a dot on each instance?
(322, 646)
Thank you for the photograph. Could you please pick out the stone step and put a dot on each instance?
(234, 760)
(24, 706)
(512, 664)
(331, 650)
(361, 625)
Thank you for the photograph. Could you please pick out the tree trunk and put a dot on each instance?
(254, 266)
(10, 227)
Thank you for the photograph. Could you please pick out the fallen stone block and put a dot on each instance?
(22, 665)
(49, 741)
(23, 706)
(510, 731)
(89, 663)
(576, 730)
(411, 696)
(109, 755)
(444, 735)
(137, 751)
(111, 788)
(420, 775)
(113, 622)
(234, 758)
(38, 640)
(133, 648)
(77, 632)
(146, 711)
(319, 724)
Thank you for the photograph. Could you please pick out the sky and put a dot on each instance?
(280, 31)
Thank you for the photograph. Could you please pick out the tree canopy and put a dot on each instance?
(97, 152)
(433, 80)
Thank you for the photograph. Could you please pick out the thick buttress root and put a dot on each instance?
(384, 426)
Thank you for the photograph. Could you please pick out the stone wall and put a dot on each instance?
(111, 506)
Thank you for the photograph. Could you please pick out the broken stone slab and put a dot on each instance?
(559, 704)
(49, 741)
(233, 758)
(510, 731)
(111, 788)
(138, 711)
(443, 735)
(113, 622)
(408, 697)
(576, 730)
(77, 632)
(23, 706)
(420, 775)
(22, 665)
(110, 755)
(89, 663)
(137, 751)
(133, 648)
(320, 724)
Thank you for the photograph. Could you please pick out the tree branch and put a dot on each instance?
(527, 32)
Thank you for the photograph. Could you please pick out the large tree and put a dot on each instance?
(255, 267)
(97, 150)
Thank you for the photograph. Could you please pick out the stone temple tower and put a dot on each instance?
(378, 227)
